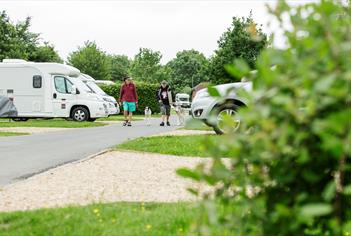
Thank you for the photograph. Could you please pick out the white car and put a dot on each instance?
(212, 110)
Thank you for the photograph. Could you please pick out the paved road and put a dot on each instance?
(23, 156)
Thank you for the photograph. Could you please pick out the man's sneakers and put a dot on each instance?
(163, 123)
(127, 123)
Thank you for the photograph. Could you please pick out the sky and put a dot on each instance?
(122, 27)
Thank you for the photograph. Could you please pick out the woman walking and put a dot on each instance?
(129, 97)
(164, 96)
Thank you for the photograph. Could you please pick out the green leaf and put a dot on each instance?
(213, 91)
(239, 69)
(316, 209)
(188, 174)
(347, 190)
(329, 191)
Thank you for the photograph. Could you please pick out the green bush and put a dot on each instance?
(291, 172)
(146, 93)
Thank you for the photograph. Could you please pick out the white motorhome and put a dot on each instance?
(183, 99)
(48, 90)
(113, 107)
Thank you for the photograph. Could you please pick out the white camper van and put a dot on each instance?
(47, 90)
(183, 99)
(113, 107)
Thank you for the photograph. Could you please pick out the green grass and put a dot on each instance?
(7, 134)
(190, 145)
(156, 219)
(121, 118)
(54, 123)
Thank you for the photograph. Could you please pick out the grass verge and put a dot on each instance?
(53, 123)
(121, 118)
(8, 134)
(190, 145)
(156, 219)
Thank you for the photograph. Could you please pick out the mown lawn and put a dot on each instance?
(7, 134)
(156, 219)
(121, 118)
(190, 145)
(54, 123)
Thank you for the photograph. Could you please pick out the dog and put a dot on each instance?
(180, 113)
(148, 113)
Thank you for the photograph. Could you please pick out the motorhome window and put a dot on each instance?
(69, 86)
(37, 81)
(60, 85)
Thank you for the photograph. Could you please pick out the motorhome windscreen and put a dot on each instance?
(95, 88)
(81, 85)
(184, 99)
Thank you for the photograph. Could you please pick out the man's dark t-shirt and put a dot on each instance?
(163, 95)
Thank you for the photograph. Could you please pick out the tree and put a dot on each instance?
(45, 53)
(91, 60)
(244, 40)
(188, 69)
(16, 41)
(120, 66)
(146, 66)
(290, 171)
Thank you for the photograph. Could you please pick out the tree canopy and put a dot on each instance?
(120, 66)
(243, 40)
(188, 69)
(17, 42)
(147, 66)
(91, 60)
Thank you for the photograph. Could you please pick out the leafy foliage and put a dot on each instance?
(291, 172)
(91, 60)
(244, 40)
(146, 93)
(188, 69)
(16, 41)
(146, 66)
(120, 67)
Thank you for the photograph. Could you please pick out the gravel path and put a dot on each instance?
(110, 177)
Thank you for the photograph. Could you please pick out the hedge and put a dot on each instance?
(146, 93)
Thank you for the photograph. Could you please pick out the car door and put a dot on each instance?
(62, 97)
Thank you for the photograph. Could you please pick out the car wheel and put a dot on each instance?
(221, 127)
(80, 114)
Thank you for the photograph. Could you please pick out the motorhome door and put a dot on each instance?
(62, 96)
